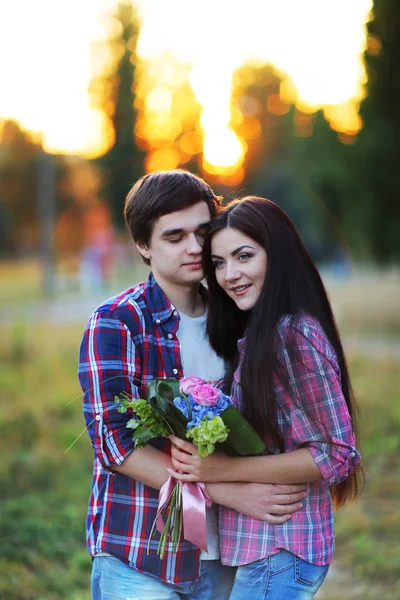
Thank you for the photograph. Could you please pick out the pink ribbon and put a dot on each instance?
(195, 500)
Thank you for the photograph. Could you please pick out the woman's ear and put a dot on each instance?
(144, 250)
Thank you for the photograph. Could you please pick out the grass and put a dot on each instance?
(45, 490)
(365, 302)
(368, 532)
(19, 281)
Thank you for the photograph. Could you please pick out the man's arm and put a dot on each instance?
(108, 365)
(271, 503)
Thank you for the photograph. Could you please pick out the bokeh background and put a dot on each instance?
(295, 100)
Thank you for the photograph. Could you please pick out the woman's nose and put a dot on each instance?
(231, 273)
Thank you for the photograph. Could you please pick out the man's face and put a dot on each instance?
(176, 244)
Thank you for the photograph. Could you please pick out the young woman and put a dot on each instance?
(270, 319)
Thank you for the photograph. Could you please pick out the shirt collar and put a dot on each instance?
(159, 305)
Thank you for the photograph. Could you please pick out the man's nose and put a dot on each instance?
(194, 246)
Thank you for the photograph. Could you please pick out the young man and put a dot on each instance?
(156, 329)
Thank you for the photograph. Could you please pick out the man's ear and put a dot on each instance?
(144, 250)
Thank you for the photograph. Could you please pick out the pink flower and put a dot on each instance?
(186, 384)
(205, 394)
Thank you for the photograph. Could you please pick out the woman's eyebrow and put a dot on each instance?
(234, 252)
(240, 249)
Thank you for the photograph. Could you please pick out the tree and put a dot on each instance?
(123, 163)
(377, 147)
(293, 158)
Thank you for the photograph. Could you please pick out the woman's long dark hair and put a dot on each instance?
(292, 287)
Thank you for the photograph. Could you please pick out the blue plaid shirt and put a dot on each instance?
(128, 341)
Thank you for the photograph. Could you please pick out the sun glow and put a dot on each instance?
(316, 47)
(189, 54)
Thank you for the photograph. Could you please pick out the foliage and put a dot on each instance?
(26, 174)
(376, 151)
(113, 90)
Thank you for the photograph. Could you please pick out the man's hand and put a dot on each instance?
(264, 501)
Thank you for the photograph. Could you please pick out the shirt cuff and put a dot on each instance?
(335, 460)
(112, 446)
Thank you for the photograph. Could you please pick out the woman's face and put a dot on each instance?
(240, 266)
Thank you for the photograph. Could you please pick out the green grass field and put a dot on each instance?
(45, 489)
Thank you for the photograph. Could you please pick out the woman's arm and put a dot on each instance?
(319, 434)
(291, 467)
(270, 503)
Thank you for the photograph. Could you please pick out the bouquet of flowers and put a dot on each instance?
(189, 408)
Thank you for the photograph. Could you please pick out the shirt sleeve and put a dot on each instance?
(108, 365)
(314, 406)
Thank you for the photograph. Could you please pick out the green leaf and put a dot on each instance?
(166, 388)
(165, 391)
(174, 421)
(242, 438)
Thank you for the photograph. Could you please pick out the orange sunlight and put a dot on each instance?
(188, 56)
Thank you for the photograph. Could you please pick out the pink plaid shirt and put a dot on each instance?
(314, 375)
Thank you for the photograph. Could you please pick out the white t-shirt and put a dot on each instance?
(199, 359)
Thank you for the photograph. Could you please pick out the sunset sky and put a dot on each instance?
(48, 52)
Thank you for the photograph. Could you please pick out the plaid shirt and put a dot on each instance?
(313, 375)
(129, 340)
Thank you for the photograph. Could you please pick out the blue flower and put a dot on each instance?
(181, 404)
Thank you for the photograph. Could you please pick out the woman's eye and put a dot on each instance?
(218, 264)
(243, 257)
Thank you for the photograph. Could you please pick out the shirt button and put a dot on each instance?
(175, 371)
(98, 417)
(175, 313)
(158, 321)
(352, 454)
(170, 336)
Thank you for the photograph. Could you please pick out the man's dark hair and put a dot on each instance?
(161, 193)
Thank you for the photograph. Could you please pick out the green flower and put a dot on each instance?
(208, 433)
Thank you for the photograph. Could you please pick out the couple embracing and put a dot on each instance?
(264, 323)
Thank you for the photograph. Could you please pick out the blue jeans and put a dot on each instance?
(112, 579)
(282, 576)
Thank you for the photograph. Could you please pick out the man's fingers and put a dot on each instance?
(292, 488)
(275, 519)
(289, 498)
(286, 508)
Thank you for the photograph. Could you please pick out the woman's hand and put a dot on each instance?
(189, 466)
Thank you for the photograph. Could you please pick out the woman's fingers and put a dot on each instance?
(183, 445)
(181, 466)
(183, 457)
(182, 476)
